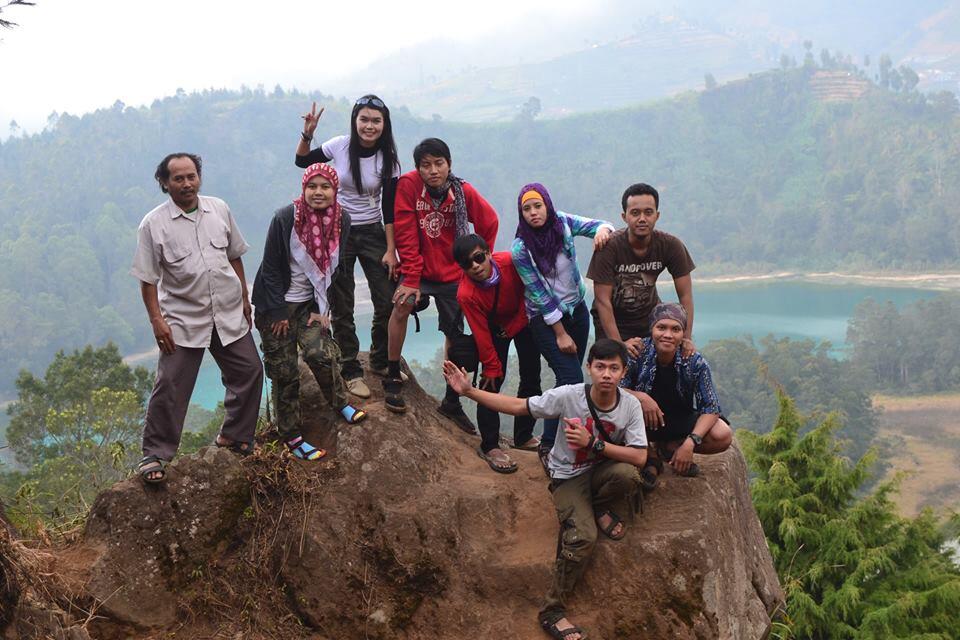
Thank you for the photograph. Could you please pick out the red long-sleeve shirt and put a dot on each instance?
(424, 234)
(510, 315)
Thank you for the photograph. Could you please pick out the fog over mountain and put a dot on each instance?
(629, 52)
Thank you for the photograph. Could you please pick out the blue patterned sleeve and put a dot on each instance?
(581, 226)
(540, 297)
(706, 394)
(630, 379)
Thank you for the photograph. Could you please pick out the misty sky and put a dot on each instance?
(80, 56)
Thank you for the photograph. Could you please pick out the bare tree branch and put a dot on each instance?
(7, 24)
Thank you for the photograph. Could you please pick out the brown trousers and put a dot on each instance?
(242, 375)
(606, 485)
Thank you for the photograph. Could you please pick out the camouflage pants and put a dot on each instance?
(607, 485)
(280, 359)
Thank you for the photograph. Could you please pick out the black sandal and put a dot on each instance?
(614, 521)
(649, 478)
(150, 465)
(242, 449)
(550, 626)
(692, 471)
(543, 453)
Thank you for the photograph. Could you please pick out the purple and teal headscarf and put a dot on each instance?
(545, 243)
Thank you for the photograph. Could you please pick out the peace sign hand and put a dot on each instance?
(311, 120)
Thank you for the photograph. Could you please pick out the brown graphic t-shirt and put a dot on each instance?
(634, 279)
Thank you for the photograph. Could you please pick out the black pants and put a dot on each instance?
(367, 243)
(528, 355)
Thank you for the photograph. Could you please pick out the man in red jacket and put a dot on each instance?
(431, 210)
(491, 296)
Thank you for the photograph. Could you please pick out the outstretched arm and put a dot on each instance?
(458, 381)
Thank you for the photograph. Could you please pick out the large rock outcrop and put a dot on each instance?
(405, 533)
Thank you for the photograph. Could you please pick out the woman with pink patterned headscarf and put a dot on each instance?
(300, 262)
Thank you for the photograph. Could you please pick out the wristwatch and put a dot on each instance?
(697, 440)
(598, 447)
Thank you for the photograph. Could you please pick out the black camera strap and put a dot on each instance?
(600, 433)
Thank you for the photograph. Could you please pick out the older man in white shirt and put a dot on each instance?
(188, 261)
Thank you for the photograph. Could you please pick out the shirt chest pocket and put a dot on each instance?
(219, 241)
(177, 258)
(176, 253)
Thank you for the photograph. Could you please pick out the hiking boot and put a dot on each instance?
(454, 411)
(392, 395)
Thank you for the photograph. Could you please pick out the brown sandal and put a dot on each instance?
(493, 460)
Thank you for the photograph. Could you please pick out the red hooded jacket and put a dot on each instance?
(424, 234)
(510, 315)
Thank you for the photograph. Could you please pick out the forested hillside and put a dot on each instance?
(754, 175)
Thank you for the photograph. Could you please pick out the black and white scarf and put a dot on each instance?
(459, 202)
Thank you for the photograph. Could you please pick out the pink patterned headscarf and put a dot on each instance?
(319, 231)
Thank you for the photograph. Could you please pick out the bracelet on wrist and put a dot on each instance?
(306, 138)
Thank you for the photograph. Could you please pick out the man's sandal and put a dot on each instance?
(543, 454)
(150, 465)
(530, 445)
(692, 471)
(614, 521)
(496, 462)
(353, 415)
(647, 476)
(303, 450)
(242, 449)
(557, 634)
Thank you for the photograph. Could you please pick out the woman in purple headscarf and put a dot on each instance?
(546, 260)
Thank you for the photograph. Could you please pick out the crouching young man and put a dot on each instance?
(491, 295)
(593, 467)
(680, 404)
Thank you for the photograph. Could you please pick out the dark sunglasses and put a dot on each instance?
(377, 102)
(477, 258)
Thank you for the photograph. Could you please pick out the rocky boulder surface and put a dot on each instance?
(403, 532)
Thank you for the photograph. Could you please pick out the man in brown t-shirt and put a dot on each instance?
(625, 272)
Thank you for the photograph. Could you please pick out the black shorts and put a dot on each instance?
(676, 427)
(444, 296)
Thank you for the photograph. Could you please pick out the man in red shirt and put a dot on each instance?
(432, 209)
(491, 296)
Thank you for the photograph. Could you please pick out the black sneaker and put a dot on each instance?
(392, 398)
(455, 413)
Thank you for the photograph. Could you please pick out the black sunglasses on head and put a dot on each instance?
(478, 258)
(377, 102)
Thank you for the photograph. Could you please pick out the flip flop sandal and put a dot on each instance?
(150, 465)
(529, 447)
(303, 450)
(492, 462)
(353, 415)
(557, 634)
(614, 521)
(234, 446)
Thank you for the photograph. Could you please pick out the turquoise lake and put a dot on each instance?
(793, 309)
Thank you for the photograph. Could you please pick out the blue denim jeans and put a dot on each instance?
(567, 367)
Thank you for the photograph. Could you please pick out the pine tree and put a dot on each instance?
(851, 567)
